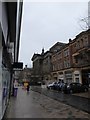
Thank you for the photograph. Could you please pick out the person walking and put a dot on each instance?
(28, 87)
(15, 88)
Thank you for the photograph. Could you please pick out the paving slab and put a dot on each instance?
(81, 103)
(36, 105)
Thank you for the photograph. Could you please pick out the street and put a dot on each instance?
(81, 103)
(37, 105)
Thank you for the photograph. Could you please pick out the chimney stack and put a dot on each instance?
(70, 40)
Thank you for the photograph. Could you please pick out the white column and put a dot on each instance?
(80, 77)
(89, 14)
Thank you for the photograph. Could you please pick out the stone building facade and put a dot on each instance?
(42, 64)
(37, 67)
(25, 75)
(69, 62)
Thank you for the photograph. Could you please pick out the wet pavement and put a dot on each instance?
(78, 102)
(37, 105)
(85, 94)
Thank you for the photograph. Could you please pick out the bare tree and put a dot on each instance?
(84, 24)
(85, 21)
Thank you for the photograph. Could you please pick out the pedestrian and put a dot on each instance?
(28, 87)
(15, 88)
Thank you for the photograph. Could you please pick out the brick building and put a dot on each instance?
(69, 62)
(81, 57)
(62, 63)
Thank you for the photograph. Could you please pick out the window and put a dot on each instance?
(66, 52)
(82, 42)
(78, 44)
(85, 42)
(78, 84)
(76, 74)
(66, 63)
(76, 60)
(74, 47)
(77, 80)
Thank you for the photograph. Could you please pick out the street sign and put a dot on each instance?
(17, 66)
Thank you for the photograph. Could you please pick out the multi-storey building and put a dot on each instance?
(10, 24)
(62, 63)
(47, 67)
(81, 57)
(69, 62)
(37, 73)
(25, 75)
(42, 65)
(57, 61)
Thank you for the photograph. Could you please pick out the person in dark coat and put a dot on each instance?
(28, 87)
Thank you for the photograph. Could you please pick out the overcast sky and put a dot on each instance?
(45, 23)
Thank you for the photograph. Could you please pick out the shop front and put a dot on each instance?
(61, 76)
(77, 76)
(5, 76)
(68, 76)
(5, 87)
(6, 79)
(55, 76)
(86, 77)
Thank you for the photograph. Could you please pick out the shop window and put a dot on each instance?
(77, 80)
(5, 84)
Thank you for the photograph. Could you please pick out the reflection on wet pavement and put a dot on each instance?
(36, 105)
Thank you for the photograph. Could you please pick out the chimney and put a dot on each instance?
(42, 51)
(70, 40)
(25, 66)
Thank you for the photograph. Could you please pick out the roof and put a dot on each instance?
(57, 44)
(80, 34)
(35, 56)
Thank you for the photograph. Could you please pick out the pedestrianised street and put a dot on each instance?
(37, 105)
